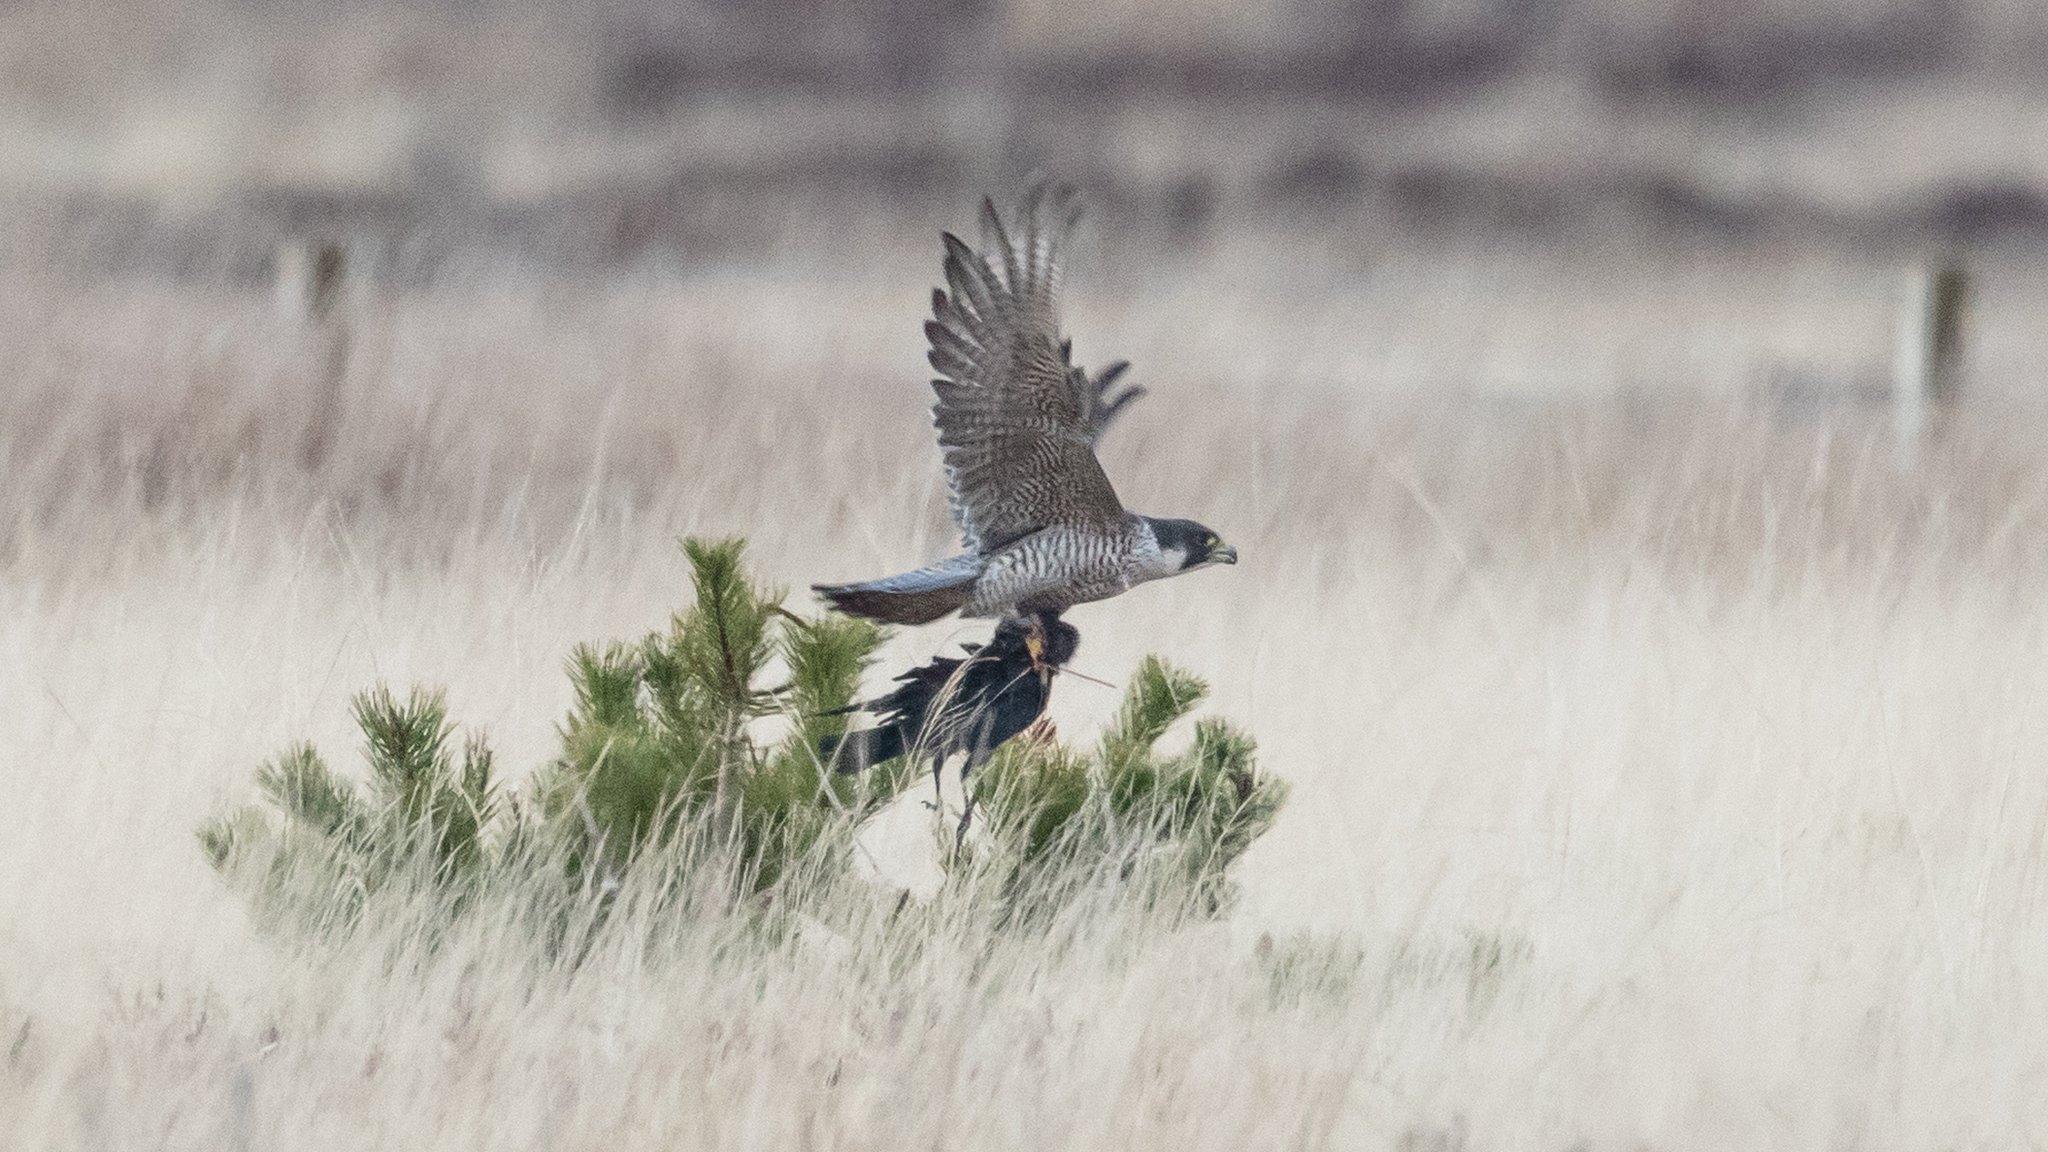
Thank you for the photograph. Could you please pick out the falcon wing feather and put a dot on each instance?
(1017, 419)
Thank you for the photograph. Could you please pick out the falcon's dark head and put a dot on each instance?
(1185, 546)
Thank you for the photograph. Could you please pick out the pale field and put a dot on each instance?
(1725, 732)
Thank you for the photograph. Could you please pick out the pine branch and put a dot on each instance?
(299, 783)
(406, 745)
(725, 640)
(225, 837)
(606, 680)
(826, 658)
(1158, 696)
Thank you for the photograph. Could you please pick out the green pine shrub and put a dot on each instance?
(691, 753)
(668, 733)
(1057, 812)
(320, 845)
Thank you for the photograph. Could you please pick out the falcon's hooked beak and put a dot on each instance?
(1224, 554)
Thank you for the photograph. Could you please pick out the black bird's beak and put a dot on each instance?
(1224, 554)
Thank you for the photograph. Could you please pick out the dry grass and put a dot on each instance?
(1670, 762)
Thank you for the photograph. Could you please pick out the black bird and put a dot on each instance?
(968, 704)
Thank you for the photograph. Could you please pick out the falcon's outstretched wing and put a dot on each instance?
(1017, 420)
(1108, 403)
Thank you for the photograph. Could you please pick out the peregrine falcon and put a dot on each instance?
(1041, 527)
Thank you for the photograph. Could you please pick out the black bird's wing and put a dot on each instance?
(1017, 419)
(952, 704)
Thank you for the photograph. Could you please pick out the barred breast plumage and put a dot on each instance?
(1057, 568)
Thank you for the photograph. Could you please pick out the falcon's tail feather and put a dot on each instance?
(918, 597)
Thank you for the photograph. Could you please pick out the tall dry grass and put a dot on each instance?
(1666, 767)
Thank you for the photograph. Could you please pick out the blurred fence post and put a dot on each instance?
(1926, 345)
(308, 279)
(311, 277)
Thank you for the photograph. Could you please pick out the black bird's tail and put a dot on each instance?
(918, 597)
(859, 751)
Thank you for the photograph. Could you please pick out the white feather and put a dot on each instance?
(1150, 561)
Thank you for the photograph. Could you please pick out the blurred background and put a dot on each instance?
(1521, 194)
(1629, 412)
